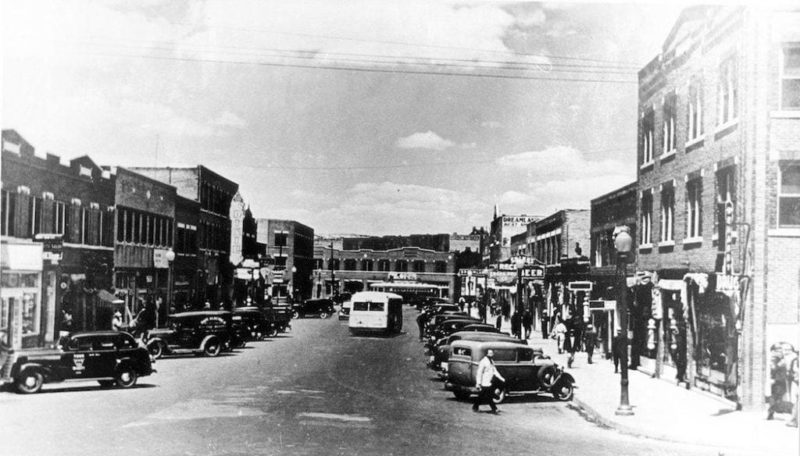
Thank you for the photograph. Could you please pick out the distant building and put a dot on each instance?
(290, 245)
(503, 227)
(472, 241)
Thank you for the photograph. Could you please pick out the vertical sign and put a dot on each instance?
(237, 228)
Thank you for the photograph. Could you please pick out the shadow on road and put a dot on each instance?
(95, 388)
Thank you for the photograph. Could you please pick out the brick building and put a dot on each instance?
(64, 213)
(718, 199)
(290, 245)
(214, 193)
(503, 227)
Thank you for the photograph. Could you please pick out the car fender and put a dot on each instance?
(157, 340)
(566, 377)
(206, 339)
(46, 371)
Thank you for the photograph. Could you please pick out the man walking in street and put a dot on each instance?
(589, 340)
(422, 318)
(527, 323)
(487, 372)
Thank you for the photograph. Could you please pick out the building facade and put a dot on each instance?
(56, 232)
(350, 271)
(214, 193)
(290, 245)
(503, 227)
(717, 203)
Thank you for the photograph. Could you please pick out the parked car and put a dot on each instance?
(525, 371)
(255, 320)
(110, 357)
(440, 354)
(320, 307)
(279, 314)
(344, 310)
(206, 332)
(446, 327)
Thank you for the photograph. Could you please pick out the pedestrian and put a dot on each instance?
(116, 321)
(527, 323)
(498, 321)
(484, 382)
(616, 350)
(558, 334)
(778, 376)
(516, 324)
(421, 319)
(571, 344)
(545, 321)
(793, 376)
(461, 303)
(469, 308)
(589, 340)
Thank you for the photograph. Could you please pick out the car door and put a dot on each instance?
(102, 359)
(526, 369)
(505, 360)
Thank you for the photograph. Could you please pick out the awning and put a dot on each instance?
(108, 298)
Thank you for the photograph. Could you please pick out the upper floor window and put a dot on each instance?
(789, 195)
(401, 266)
(647, 218)
(349, 264)
(280, 239)
(728, 92)
(695, 111)
(648, 128)
(790, 77)
(7, 209)
(694, 208)
(440, 266)
(668, 127)
(667, 213)
(419, 266)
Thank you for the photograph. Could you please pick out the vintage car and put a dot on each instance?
(110, 357)
(446, 327)
(255, 321)
(438, 308)
(279, 314)
(320, 307)
(440, 354)
(525, 370)
(436, 320)
(205, 332)
(344, 310)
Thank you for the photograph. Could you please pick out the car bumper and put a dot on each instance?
(465, 389)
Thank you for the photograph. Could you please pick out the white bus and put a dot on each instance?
(373, 311)
(415, 294)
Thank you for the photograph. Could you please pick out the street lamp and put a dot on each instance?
(623, 243)
(294, 289)
(520, 263)
(170, 255)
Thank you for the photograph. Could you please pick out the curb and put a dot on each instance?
(592, 415)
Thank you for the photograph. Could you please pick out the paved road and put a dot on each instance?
(314, 391)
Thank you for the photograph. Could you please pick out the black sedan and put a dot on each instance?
(320, 307)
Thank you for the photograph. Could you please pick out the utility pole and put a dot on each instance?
(334, 288)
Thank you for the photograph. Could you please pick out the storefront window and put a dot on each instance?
(22, 288)
(712, 340)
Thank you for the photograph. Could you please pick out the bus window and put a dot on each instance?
(361, 306)
(376, 306)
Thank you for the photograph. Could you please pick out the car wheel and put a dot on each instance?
(564, 391)
(106, 383)
(547, 376)
(461, 395)
(156, 349)
(324, 314)
(212, 348)
(30, 381)
(273, 332)
(126, 377)
(499, 394)
(295, 314)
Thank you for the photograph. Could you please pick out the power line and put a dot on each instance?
(424, 45)
(362, 69)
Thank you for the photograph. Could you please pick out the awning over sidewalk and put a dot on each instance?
(106, 297)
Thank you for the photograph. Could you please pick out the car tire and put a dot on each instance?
(126, 377)
(547, 376)
(30, 381)
(564, 391)
(324, 314)
(272, 332)
(500, 394)
(212, 348)
(156, 349)
(461, 395)
(106, 383)
(295, 314)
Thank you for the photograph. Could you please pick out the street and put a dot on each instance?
(315, 390)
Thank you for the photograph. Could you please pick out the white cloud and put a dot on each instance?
(561, 161)
(491, 124)
(394, 208)
(427, 140)
(531, 18)
(229, 119)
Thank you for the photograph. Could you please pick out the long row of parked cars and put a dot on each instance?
(456, 342)
(117, 358)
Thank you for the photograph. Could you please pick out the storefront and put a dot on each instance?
(23, 320)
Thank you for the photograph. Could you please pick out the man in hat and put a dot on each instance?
(590, 340)
(116, 322)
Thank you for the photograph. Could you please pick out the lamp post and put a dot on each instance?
(294, 289)
(622, 243)
(520, 263)
(170, 259)
(334, 288)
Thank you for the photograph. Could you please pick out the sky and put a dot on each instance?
(368, 117)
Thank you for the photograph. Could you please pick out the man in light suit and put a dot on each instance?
(486, 374)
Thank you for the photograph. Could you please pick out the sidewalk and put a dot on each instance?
(664, 411)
